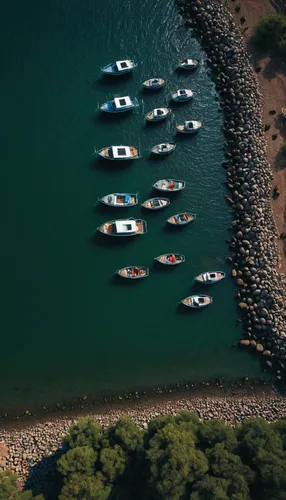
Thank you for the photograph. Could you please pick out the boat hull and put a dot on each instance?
(129, 272)
(109, 107)
(164, 259)
(199, 278)
(107, 229)
(178, 185)
(156, 150)
(156, 203)
(104, 153)
(112, 70)
(177, 221)
(154, 86)
(112, 203)
(189, 302)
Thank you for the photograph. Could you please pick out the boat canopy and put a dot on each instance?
(121, 151)
(189, 125)
(121, 65)
(190, 61)
(182, 92)
(158, 112)
(126, 226)
(121, 102)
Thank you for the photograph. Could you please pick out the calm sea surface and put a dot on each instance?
(68, 328)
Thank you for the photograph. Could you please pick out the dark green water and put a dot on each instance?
(67, 328)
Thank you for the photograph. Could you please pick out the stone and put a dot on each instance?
(259, 348)
(243, 305)
(234, 273)
(244, 343)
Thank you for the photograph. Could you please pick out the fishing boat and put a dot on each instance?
(181, 219)
(157, 114)
(133, 272)
(119, 67)
(119, 153)
(197, 301)
(182, 95)
(171, 259)
(210, 277)
(120, 200)
(189, 127)
(154, 83)
(189, 64)
(124, 227)
(120, 104)
(156, 203)
(164, 148)
(170, 185)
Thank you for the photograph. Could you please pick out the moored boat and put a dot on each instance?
(120, 200)
(154, 83)
(189, 127)
(123, 227)
(181, 219)
(171, 259)
(210, 277)
(163, 149)
(197, 301)
(156, 203)
(119, 67)
(120, 104)
(119, 153)
(157, 114)
(133, 272)
(182, 95)
(169, 185)
(189, 64)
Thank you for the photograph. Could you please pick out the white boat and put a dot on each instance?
(182, 95)
(163, 149)
(154, 83)
(125, 227)
(210, 277)
(197, 301)
(133, 272)
(119, 67)
(157, 114)
(189, 64)
(170, 185)
(189, 127)
(120, 200)
(119, 153)
(120, 104)
(171, 259)
(156, 203)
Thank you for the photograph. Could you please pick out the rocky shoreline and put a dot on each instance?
(254, 254)
(22, 449)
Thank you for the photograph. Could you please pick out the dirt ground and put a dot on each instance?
(272, 79)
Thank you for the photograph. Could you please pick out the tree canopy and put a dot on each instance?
(176, 457)
(270, 33)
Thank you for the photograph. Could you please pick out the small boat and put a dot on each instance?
(182, 95)
(189, 127)
(120, 104)
(164, 148)
(181, 219)
(189, 64)
(170, 185)
(156, 203)
(171, 259)
(125, 227)
(210, 277)
(154, 83)
(133, 272)
(120, 200)
(197, 301)
(157, 114)
(119, 67)
(119, 153)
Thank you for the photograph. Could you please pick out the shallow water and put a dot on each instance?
(68, 327)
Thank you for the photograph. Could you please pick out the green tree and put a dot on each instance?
(83, 487)
(85, 433)
(113, 462)
(79, 460)
(280, 425)
(215, 431)
(175, 463)
(126, 434)
(270, 33)
(272, 474)
(9, 488)
(211, 488)
(255, 434)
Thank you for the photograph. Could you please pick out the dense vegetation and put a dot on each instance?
(177, 457)
(9, 489)
(270, 33)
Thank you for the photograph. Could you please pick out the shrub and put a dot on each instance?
(270, 33)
